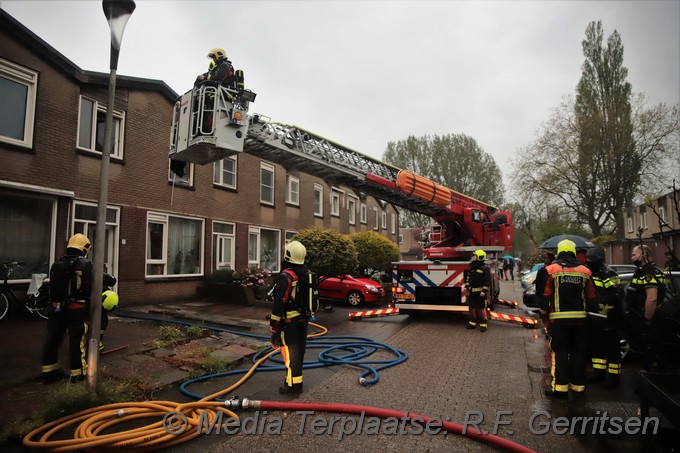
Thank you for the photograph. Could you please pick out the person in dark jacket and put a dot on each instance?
(604, 337)
(70, 310)
(542, 274)
(288, 323)
(477, 284)
(569, 294)
(220, 70)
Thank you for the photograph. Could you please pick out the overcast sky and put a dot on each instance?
(363, 73)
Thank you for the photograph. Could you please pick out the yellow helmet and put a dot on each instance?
(217, 53)
(109, 300)
(295, 253)
(480, 255)
(566, 246)
(79, 241)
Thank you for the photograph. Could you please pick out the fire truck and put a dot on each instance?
(211, 122)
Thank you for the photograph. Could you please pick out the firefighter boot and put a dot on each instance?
(471, 326)
(294, 389)
(611, 381)
(557, 395)
(53, 376)
(597, 376)
(482, 327)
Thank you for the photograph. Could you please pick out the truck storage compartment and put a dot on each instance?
(438, 295)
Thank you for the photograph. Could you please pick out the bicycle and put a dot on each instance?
(37, 303)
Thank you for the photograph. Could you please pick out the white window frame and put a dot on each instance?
(187, 180)
(383, 219)
(219, 238)
(164, 219)
(22, 76)
(662, 215)
(643, 220)
(254, 248)
(318, 200)
(118, 133)
(630, 224)
(293, 190)
(393, 218)
(289, 235)
(352, 209)
(218, 173)
(267, 168)
(336, 201)
(376, 218)
(363, 213)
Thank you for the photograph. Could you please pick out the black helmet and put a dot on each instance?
(596, 255)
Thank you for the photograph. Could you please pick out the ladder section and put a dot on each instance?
(294, 147)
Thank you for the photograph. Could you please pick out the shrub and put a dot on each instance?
(328, 252)
(253, 278)
(221, 276)
(375, 252)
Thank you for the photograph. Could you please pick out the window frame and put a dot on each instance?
(118, 134)
(218, 173)
(352, 209)
(256, 232)
(23, 76)
(631, 225)
(218, 236)
(292, 196)
(393, 218)
(363, 213)
(267, 168)
(187, 180)
(318, 201)
(164, 219)
(376, 218)
(336, 201)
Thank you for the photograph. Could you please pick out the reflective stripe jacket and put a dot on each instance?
(478, 279)
(569, 292)
(647, 276)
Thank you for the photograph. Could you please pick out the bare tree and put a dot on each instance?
(596, 152)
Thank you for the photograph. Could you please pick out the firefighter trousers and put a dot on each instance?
(293, 345)
(72, 320)
(477, 312)
(605, 348)
(568, 343)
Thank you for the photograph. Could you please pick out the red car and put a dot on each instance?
(354, 290)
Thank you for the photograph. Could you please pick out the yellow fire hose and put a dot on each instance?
(90, 424)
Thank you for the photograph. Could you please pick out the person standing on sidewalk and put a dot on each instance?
(288, 323)
(569, 294)
(604, 338)
(477, 285)
(70, 290)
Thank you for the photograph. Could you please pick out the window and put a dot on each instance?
(186, 180)
(85, 222)
(289, 235)
(292, 190)
(27, 226)
(376, 219)
(17, 109)
(383, 221)
(91, 126)
(224, 240)
(352, 210)
(393, 219)
(224, 172)
(318, 200)
(263, 248)
(662, 215)
(363, 214)
(630, 224)
(643, 220)
(335, 202)
(174, 245)
(266, 184)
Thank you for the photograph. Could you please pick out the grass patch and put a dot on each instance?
(212, 365)
(61, 400)
(169, 336)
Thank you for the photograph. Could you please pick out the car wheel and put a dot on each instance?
(625, 348)
(354, 298)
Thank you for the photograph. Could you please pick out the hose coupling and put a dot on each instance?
(233, 403)
(362, 380)
(121, 413)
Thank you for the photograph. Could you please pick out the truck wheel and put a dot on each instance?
(354, 298)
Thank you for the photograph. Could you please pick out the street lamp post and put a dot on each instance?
(117, 13)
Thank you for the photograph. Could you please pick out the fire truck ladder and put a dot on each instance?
(294, 147)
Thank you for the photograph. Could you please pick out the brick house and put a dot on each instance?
(163, 233)
(650, 222)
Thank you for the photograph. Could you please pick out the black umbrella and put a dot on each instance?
(580, 241)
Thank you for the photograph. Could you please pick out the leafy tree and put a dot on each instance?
(594, 153)
(375, 252)
(455, 161)
(328, 252)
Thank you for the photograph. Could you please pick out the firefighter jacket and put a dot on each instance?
(285, 307)
(607, 292)
(478, 280)
(647, 276)
(569, 292)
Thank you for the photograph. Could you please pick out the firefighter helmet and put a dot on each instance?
(295, 253)
(217, 53)
(595, 255)
(80, 242)
(109, 300)
(566, 246)
(480, 255)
